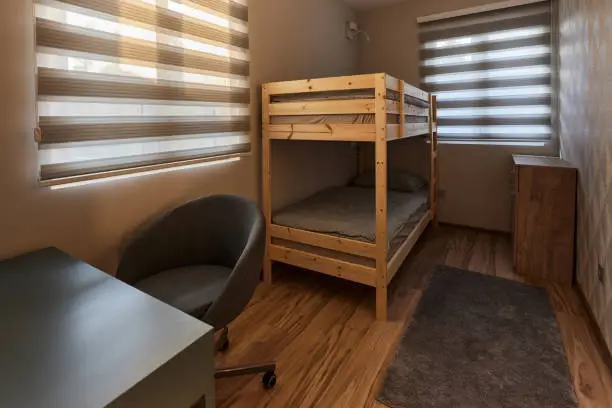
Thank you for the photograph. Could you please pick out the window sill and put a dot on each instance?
(96, 178)
(526, 143)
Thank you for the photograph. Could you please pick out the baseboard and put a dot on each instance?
(463, 226)
(592, 321)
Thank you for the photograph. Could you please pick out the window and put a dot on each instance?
(491, 72)
(136, 85)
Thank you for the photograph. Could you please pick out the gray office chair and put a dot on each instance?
(204, 258)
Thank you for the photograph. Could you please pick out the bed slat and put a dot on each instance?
(322, 84)
(394, 83)
(340, 132)
(345, 107)
(409, 110)
(400, 256)
(393, 107)
(415, 92)
(329, 266)
(344, 245)
(410, 130)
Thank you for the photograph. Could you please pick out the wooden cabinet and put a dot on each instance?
(544, 219)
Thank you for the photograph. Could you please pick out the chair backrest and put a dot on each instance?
(217, 230)
(246, 225)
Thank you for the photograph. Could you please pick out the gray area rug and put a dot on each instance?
(480, 341)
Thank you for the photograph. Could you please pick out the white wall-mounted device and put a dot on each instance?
(353, 31)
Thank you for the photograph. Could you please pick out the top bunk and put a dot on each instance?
(348, 108)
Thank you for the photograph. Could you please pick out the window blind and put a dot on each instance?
(130, 85)
(491, 72)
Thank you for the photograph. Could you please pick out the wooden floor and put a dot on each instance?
(331, 352)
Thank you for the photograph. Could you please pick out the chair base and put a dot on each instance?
(222, 343)
(235, 371)
(268, 369)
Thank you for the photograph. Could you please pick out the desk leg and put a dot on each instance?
(208, 400)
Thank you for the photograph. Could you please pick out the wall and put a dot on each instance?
(290, 39)
(294, 39)
(474, 179)
(586, 141)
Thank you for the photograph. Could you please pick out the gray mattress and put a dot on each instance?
(350, 212)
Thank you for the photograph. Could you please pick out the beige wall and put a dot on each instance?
(295, 39)
(474, 179)
(586, 141)
(290, 39)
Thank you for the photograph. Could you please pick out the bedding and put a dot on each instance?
(397, 180)
(350, 212)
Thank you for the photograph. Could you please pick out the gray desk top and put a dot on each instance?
(73, 336)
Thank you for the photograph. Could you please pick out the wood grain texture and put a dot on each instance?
(324, 132)
(415, 92)
(322, 84)
(380, 155)
(266, 178)
(395, 132)
(541, 161)
(349, 246)
(402, 106)
(545, 212)
(323, 264)
(331, 352)
(397, 260)
(351, 106)
(433, 159)
(394, 107)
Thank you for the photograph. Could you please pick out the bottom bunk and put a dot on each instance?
(334, 232)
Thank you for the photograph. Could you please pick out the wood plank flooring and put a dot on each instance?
(331, 352)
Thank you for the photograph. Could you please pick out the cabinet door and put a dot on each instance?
(545, 224)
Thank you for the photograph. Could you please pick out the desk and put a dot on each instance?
(73, 336)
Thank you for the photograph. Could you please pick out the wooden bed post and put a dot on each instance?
(433, 159)
(266, 188)
(402, 115)
(381, 195)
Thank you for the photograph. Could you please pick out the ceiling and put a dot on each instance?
(370, 4)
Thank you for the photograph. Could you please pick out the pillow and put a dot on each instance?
(397, 180)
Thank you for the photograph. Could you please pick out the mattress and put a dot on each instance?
(349, 212)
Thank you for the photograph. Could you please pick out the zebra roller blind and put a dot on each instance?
(491, 72)
(131, 85)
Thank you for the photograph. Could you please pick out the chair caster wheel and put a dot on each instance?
(269, 380)
(223, 342)
(224, 345)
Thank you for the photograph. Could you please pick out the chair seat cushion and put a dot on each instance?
(191, 289)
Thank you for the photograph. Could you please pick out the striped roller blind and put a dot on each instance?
(133, 85)
(491, 72)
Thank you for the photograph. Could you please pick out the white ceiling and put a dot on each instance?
(370, 4)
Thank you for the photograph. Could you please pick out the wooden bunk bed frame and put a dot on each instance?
(380, 133)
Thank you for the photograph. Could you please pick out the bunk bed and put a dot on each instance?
(356, 233)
